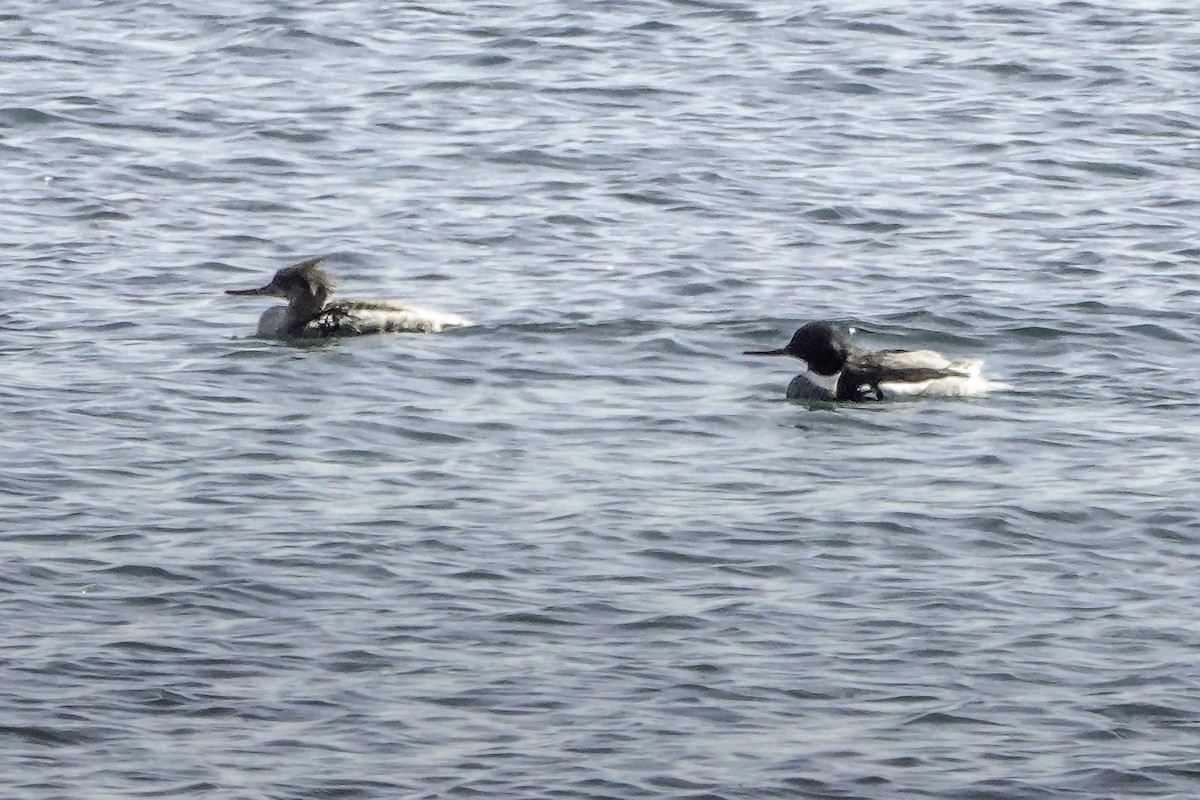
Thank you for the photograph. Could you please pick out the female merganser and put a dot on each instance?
(837, 370)
(306, 287)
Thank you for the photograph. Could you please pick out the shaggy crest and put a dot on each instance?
(316, 281)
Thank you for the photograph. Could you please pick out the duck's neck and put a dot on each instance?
(303, 309)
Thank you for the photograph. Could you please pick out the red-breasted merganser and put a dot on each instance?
(837, 370)
(306, 287)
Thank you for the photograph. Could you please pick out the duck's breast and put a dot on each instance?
(273, 323)
(810, 386)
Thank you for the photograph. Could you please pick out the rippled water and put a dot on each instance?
(585, 549)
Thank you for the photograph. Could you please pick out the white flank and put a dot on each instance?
(924, 359)
(401, 318)
(378, 317)
(969, 384)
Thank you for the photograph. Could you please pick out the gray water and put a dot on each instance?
(585, 549)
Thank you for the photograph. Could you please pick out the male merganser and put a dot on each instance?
(837, 370)
(306, 287)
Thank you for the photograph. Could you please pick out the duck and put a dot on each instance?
(840, 372)
(307, 315)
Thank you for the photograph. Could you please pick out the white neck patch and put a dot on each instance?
(827, 382)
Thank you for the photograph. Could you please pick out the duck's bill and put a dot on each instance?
(777, 352)
(249, 292)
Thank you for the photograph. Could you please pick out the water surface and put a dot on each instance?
(585, 549)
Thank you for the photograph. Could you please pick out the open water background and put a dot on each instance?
(585, 549)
